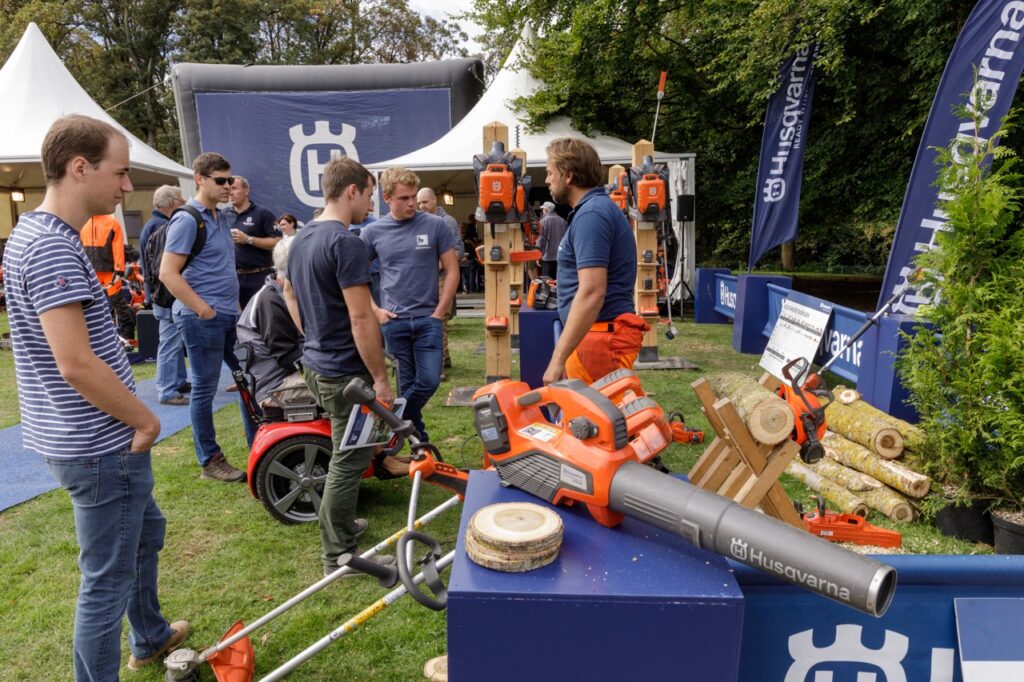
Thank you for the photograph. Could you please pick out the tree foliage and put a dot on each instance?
(878, 69)
(121, 51)
(965, 371)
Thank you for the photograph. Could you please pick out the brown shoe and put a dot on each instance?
(180, 630)
(219, 469)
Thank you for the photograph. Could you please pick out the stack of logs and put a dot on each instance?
(859, 470)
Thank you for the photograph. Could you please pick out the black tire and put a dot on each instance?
(290, 478)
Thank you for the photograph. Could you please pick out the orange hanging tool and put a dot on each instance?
(848, 528)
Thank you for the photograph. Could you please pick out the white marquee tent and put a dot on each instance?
(448, 162)
(38, 89)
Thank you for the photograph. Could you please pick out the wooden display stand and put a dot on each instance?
(497, 278)
(737, 466)
(645, 298)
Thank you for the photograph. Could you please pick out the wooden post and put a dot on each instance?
(517, 289)
(614, 172)
(645, 293)
(497, 342)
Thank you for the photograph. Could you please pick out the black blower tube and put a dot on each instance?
(716, 523)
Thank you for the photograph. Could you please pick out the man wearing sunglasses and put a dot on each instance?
(206, 305)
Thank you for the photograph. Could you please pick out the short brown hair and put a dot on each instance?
(210, 162)
(397, 175)
(341, 172)
(573, 156)
(71, 136)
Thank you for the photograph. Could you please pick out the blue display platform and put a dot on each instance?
(618, 604)
(792, 635)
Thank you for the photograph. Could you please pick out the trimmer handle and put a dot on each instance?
(361, 393)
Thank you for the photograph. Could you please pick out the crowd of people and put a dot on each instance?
(317, 305)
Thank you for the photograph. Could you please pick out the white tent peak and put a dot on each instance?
(39, 89)
(456, 148)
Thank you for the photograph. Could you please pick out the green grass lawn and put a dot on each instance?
(226, 559)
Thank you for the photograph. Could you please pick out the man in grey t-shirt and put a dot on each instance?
(408, 246)
(552, 229)
(426, 199)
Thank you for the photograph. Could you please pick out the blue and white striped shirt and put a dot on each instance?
(45, 267)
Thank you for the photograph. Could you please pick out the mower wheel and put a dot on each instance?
(290, 478)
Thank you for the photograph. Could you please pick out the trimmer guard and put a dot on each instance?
(237, 663)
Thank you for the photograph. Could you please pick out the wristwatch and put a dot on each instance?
(248, 240)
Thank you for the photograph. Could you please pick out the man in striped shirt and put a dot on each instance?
(78, 404)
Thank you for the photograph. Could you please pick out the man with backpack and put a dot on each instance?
(205, 308)
(171, 377)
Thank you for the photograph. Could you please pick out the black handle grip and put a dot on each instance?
(361, 393)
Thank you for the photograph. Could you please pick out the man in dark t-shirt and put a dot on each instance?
(254, 232)
(328, 295)
(596, 271)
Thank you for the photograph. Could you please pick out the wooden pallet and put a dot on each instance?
(737, 466)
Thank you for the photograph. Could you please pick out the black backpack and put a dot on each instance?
(158, 292)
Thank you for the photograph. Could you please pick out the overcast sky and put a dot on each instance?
(444, 9)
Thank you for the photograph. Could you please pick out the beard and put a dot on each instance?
(560, 196)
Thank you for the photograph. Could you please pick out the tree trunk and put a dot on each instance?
(836, 495)
(860, 458)
(851, 479)
(860, 427)
(890, 503)
(789, 256)
(768, 417)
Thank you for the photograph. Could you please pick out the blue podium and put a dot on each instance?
(618, 604)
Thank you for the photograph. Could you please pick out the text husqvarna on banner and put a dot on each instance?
(991, 43)
(780, 171)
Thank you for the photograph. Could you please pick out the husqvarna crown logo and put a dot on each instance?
(317, 150)
(774, 190)
(738, 548)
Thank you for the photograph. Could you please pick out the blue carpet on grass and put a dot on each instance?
(26, 474)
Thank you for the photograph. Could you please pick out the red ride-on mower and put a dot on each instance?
(291, 452)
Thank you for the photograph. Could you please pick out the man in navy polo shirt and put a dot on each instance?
(78, 404)
(596, 271)
(408, 244)
(206, 305)
(254, 232)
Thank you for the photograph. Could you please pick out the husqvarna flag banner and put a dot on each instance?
(281, 141)
(780, 172)
(990, 43)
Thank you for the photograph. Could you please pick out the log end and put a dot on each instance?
(771, 423)
(888, 443)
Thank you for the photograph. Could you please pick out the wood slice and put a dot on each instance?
(508, 562)
(516, 526)
(436, 669)
(767, 416)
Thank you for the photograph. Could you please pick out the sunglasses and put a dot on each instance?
(229, 180)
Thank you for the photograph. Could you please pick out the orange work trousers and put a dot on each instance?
(608, 346)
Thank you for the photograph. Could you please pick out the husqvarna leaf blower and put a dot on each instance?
(595, 456)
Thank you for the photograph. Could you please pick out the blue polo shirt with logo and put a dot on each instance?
(598, 236)
(211, 274)
(408, 252)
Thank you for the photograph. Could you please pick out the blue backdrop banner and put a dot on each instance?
(281, 141)
(990, 43)
(780, 171)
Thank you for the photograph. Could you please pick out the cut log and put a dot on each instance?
(767, 416)
(912, 435)
(436, 669)
(851, 479)
(858, 457)
(841, 499)
(876, 435)
(890, 503)
(846, 396)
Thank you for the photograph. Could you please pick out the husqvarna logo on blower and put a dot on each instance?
(756, 558)
(319, 148)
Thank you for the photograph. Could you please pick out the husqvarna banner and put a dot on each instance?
(779, 174)
(281, 141)
(990, 44)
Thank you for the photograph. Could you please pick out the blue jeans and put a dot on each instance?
(170, 356)
(120, 531)
(416, 344)
(207, 342)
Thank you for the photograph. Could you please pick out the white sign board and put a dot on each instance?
(366, 430)
(797, 334)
